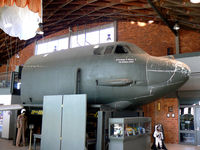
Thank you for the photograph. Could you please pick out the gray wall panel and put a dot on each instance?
(74, 122)
(51, 123)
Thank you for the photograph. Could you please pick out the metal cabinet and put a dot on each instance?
(129, 133)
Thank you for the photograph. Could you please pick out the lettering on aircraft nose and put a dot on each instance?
(126, 60)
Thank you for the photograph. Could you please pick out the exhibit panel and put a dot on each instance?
(62, 123)
(51, 123)
(74, 122)
(126, 133)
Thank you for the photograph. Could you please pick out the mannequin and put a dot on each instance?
(159, 138)
(21, 126)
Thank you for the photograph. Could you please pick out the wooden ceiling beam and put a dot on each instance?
(47, 3)
(195, 21)
(145, 6)
(95, 10)
(70, 12)
(183, 12)
(57, 9)
(172, 3)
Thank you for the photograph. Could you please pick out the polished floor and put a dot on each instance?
(7, 145)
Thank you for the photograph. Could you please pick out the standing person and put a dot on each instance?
(22, 126)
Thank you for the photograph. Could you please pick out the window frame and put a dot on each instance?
(50, 40)
(85, 31)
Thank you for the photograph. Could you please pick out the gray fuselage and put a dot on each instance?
(106, 73)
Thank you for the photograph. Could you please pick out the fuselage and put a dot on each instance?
(114, 73)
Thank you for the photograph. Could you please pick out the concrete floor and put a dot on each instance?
(7, 145)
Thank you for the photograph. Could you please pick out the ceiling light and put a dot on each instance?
(132, 22)
(176, 27)
(195, 1)
(141, 24)
(17, 55)
(150, 21)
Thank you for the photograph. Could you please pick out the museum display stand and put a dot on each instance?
(129, 133)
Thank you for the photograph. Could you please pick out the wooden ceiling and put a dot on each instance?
(62, 14)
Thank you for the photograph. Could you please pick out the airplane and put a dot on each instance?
(118, 74)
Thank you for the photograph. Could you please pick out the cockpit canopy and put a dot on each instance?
(117, 49)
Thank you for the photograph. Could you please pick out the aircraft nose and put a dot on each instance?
(181, 72)
(167, 71)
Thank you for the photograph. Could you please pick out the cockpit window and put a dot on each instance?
(108, 50)
(121, 49)
(98, 51)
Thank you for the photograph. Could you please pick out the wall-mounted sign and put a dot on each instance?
(158, 107)
(36, 112)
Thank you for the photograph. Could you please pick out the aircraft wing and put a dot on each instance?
(192, 87)
(11, 107)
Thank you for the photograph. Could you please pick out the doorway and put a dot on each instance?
(189, 124)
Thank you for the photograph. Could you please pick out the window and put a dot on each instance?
(108, 50)
(103, 34)
(52, 46)
(100, 34)
(107, 35)
(98, 51)
(186, 118)
(92, 38)
(121, 50)
(77, 40)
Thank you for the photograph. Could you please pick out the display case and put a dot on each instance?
(124, 133)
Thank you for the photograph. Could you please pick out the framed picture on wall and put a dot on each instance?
(170, 109)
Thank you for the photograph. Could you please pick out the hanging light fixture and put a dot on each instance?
(195, 1)
(150, 21)
(132, 22)
(17, 55)
(141, 24)
(176, 27)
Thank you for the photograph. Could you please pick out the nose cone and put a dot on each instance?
(181, 72)
(167, 72)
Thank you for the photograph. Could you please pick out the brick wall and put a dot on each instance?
(24, 55)
(189, 41)
(170, 124)
(3, 68)
(153, 38)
